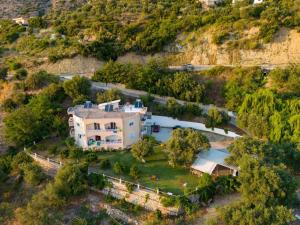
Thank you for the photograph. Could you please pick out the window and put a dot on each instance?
(98, 138)
(96, 126)
(113, 125)
(78, 124)
(79, 135)
(131, 124)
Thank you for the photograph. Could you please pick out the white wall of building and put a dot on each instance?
(165, 121)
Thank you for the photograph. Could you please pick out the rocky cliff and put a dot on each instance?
(283, 50)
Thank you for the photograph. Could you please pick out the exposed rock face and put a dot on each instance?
(284, 50)
(77, 65)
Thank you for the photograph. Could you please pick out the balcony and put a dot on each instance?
(70, 110)
(114, 130)
(72, 132)
(71, 122)
(93, 143)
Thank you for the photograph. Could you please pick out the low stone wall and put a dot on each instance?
(142, 196)
(146, 199)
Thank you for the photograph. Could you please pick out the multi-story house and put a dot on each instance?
(107, 125)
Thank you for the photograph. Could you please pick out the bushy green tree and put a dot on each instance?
(215, 118)
(33, 173)
(118, 168)
(29, 123)
(109, 95)
(141, 149)
(286, 80)
(78, 88)
(39, 80)
(71, 180)
(184, 144)
(242, 81)
(134, 172)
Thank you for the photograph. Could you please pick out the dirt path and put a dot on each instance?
(210, 212)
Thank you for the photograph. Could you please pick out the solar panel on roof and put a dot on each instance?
(138, 104)
(88, 105)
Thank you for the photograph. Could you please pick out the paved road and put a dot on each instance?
(190, 67)
(157, 98)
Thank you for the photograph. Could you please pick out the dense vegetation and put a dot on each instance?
(267, 187)
(154, 78)
(107, 29)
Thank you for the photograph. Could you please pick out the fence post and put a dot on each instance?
(157, 191)
(60, 163)
(35, 155)
(48, 159)
(138, 186)
(120, 181)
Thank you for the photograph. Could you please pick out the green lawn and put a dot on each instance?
(169, 179)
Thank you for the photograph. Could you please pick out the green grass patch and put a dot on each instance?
(168, 179)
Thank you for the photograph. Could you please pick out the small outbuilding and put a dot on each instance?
(213, 163)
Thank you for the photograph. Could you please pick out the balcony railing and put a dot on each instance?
(99, 143)
(70, 110)
(72, 132)
(102, 130)
(71, 122)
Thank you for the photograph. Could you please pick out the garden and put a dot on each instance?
(155, 173)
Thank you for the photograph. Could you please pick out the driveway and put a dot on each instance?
(163, 135)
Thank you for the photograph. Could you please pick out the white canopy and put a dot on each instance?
(207, 161)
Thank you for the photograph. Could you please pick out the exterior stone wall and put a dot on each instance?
(142, 196)
(139, 196)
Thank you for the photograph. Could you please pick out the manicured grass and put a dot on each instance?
(169, 179)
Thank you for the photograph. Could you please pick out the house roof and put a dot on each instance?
(98, 114)
(207, 161)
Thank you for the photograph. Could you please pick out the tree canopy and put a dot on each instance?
(78, 88)
(184, 144)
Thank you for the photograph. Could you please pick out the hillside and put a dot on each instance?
(240, 34)
(29, 8)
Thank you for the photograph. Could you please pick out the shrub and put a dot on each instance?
(78, 88)
(130, 187)
(40, 79)
(20, 74)
(105, 164)
(226, 184)
(91, 157)
(33, 174)
(134, 172)
(3, 73)
(141, 149)
(168, 201)
(109, 95)
(97, 180)
(118, 168)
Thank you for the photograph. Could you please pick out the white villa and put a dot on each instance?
(107, 125)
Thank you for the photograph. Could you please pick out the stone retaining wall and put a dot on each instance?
(139, 197)
(118, 189)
